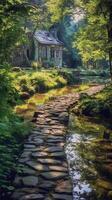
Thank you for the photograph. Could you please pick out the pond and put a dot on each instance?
(90, 159)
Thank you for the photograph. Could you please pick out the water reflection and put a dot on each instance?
(86, 152)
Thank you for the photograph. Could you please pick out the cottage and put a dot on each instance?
(48, 48)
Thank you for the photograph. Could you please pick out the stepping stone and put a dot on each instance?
(39, 141)
(17, 195)
(58, 168)
(23, 160)
(64, 187)
(25, 154)
(29, 146)
(54, 149)
(55, 137)
(46, 131)
(55, 140)
(49, 161)
(62, 196)
(27, 171)
(47, 184)
(53, 175)
(32, 197)
(37, 166)
(39, 154)
(58, 154)
(30, 181)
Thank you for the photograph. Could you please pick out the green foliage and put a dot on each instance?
(94, 40)
(12, 128)
(12, 132)
(59, 8)
(33, 81)
(99, 105)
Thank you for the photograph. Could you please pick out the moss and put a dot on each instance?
(99, 105)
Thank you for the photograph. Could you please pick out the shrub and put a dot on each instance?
(36, 65)
(60, 81)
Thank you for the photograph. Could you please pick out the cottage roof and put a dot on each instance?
(45, 37)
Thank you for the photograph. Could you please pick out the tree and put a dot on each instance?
(59, 8)
(97, 33)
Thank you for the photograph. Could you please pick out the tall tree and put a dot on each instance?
(98, 30)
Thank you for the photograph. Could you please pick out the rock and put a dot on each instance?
(31, 181)
(58, 154)
(54, 149)
(25, 154)
(107, 169)
(64, 117)
(53, 175)
(17, 195)
(39, 154)
(62, 196)
(17, 181)
(109, 155)
(55, 140)
(32, 197)
(27, 171)
(64, 187)
(58, 168)
(25, 95)
(37, 166)
(38, 141)
(24, 160)
(29, 146)
(109, 195)
(104, 184)
(46, 131)
(49, 161)
(47, 185)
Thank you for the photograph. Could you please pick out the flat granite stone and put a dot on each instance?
(64, 187)
(58, 168)
(54, 149)
(37, 166)
(62, 196)
(32, 197)
(55, 140)
(53, 175)
(58, 154)
(31, 181)
(17, 195)
(25, 154)
(23, 160)
(47, 184)
(27, 171)
(39, 154)
(29, 146)
(49, 161)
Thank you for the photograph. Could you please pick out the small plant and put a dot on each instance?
(36, 65)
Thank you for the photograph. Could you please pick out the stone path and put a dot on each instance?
(43, 167)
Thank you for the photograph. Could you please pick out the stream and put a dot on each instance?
(89, 158)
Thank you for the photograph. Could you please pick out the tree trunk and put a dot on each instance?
(110, 40)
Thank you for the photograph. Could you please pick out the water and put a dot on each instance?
(81, 82)
(87, 154)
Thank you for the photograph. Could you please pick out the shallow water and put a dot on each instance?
(86, 153)
(27, 110)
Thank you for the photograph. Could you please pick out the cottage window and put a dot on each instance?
(44, 52)
(52, 52)
(57, 54)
